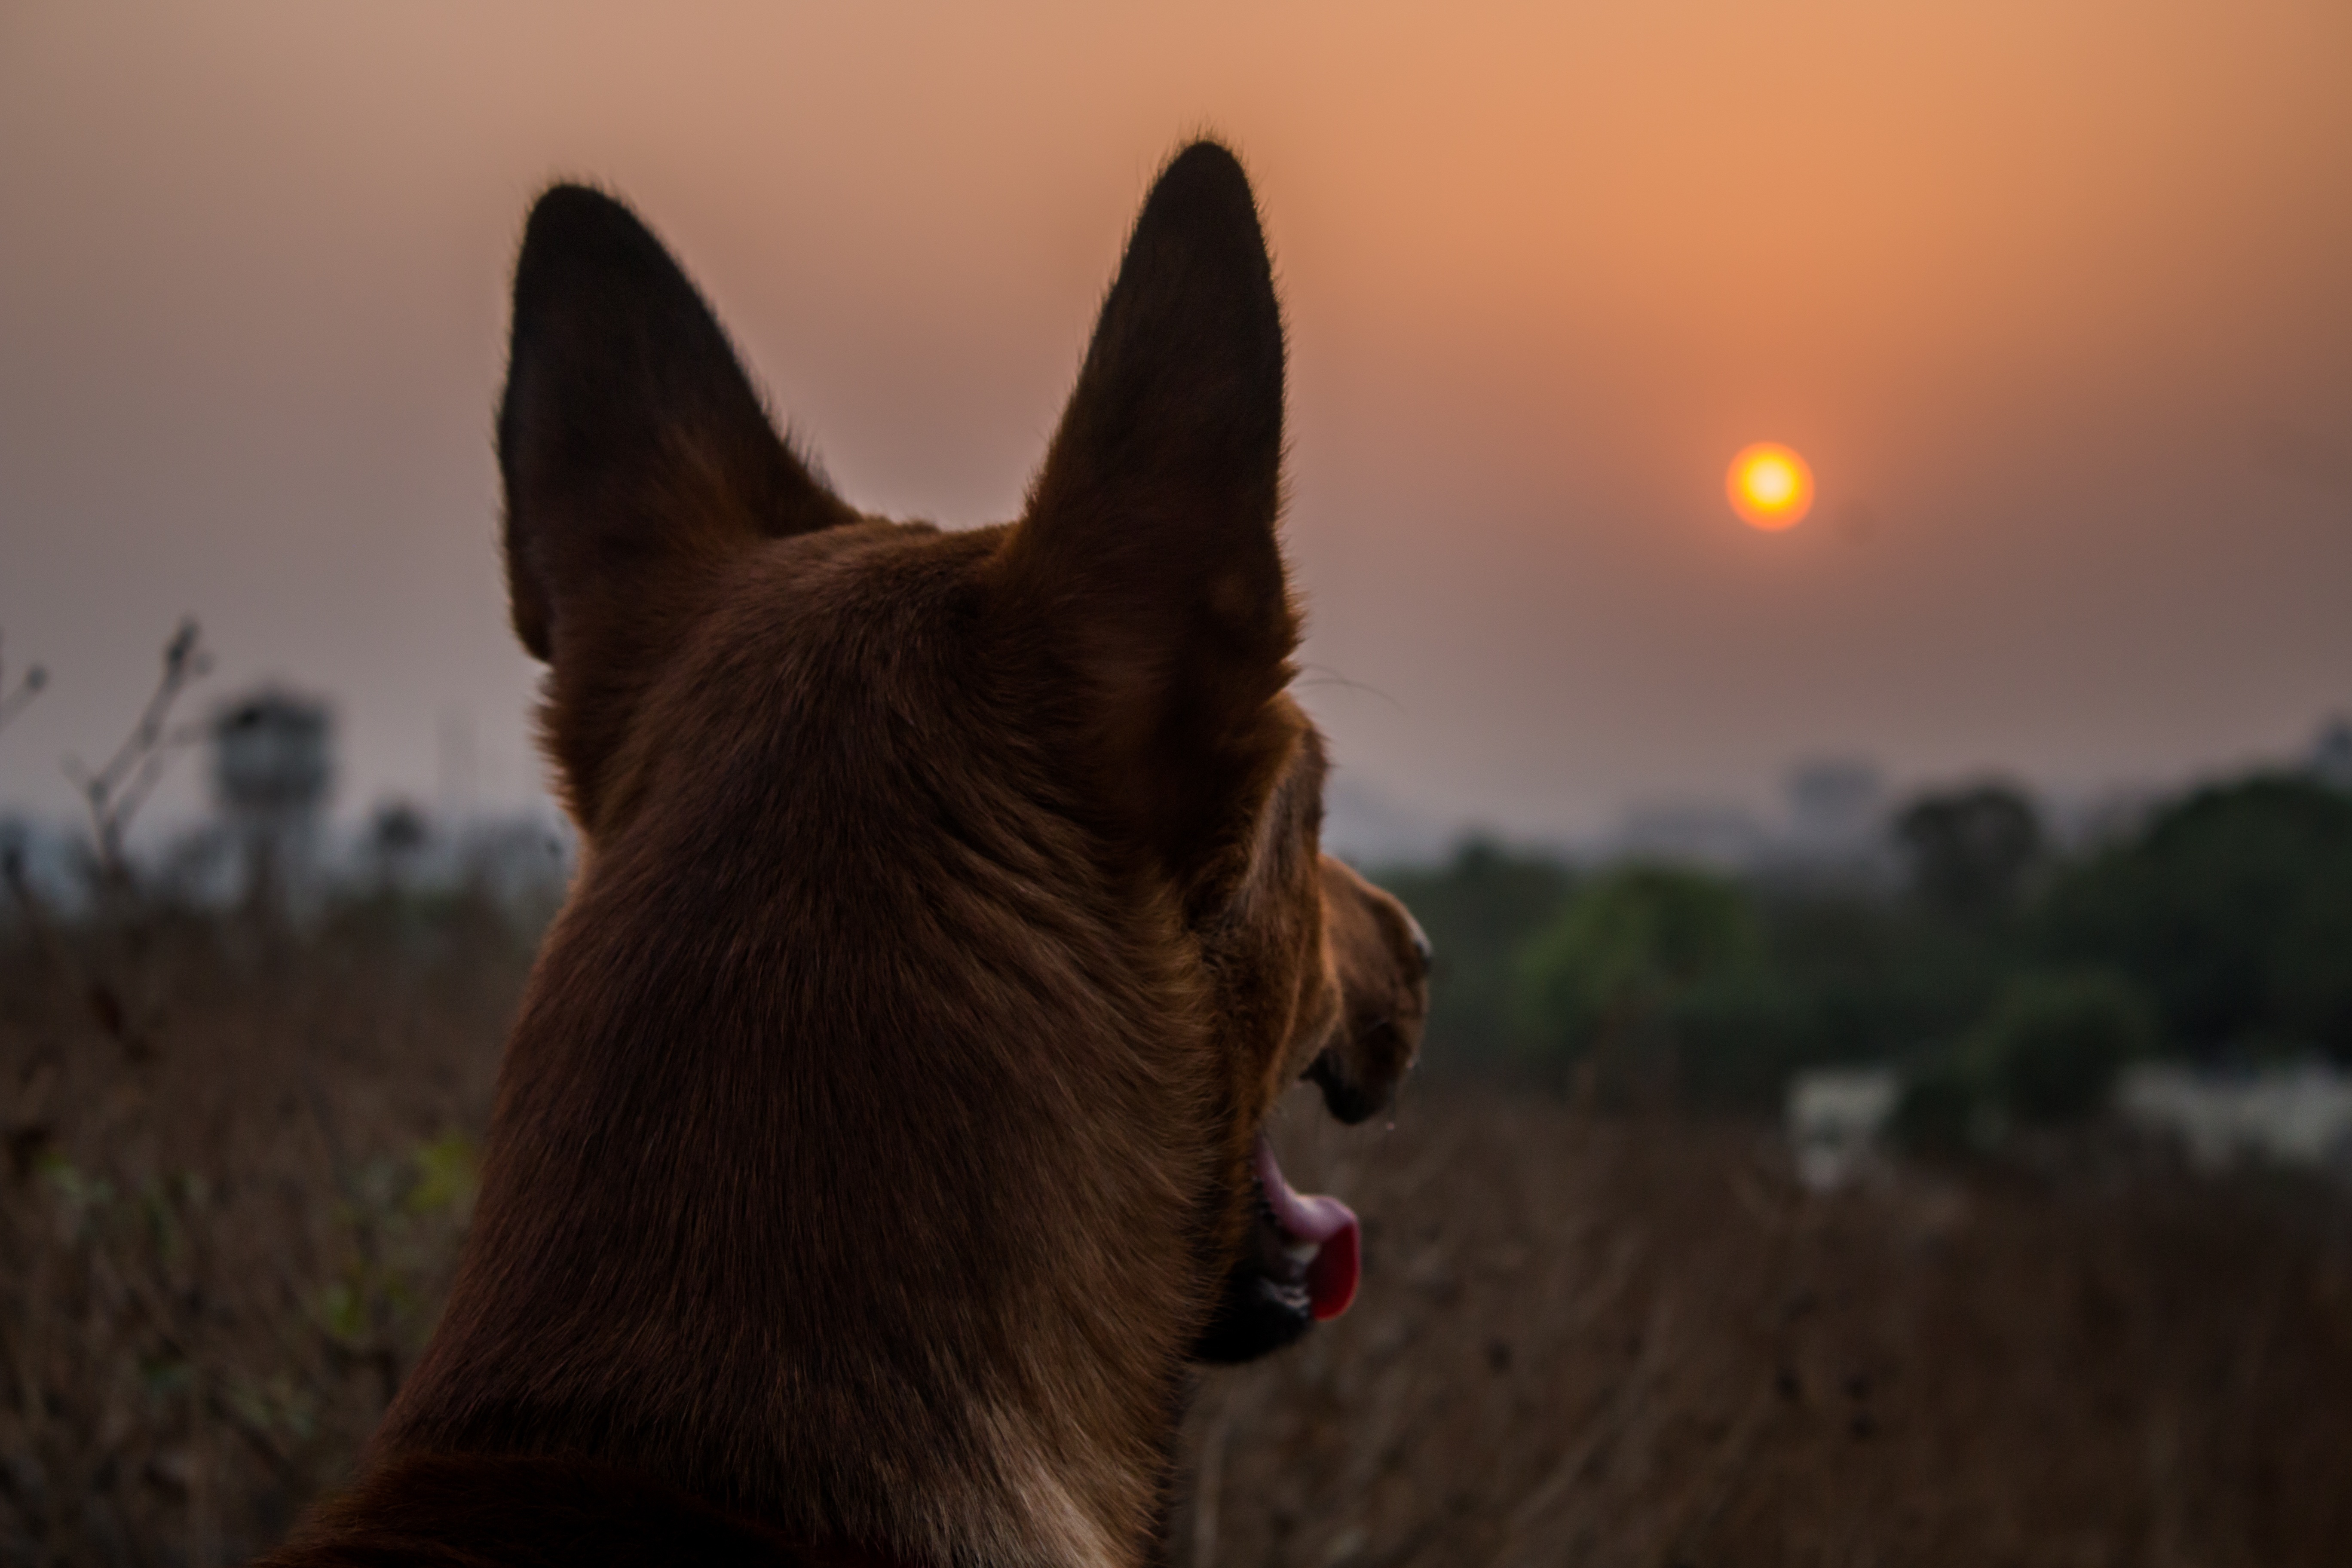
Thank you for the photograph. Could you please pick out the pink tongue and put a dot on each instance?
(1326, 1222)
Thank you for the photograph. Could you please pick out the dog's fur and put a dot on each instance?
(874, 1144)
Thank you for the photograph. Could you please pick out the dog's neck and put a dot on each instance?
(918, 1282)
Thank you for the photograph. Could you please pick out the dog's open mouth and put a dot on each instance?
(1318, 1238)
(1299, 1268)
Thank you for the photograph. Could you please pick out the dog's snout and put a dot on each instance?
(1423, 948)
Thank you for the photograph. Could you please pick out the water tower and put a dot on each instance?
(273, 764)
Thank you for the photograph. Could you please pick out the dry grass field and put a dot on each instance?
(238, 1162)
(1638, 1341)
(238, 1166)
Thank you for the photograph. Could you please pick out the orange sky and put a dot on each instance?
(2052, 295)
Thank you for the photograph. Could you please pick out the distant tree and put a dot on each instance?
(2051, 1047)
(1971, 852)
(1882, 976)
(2045, 1053)
(2233, 909)
(1608, 975)
(1478, 909)
(1946, 1108)
(1736, 1036)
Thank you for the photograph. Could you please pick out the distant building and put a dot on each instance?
(273, 769)
(1836, 804)
(1836, 830)
(1835, 1118)
(2331, 753)
(1720, 838)
(2295, 1114)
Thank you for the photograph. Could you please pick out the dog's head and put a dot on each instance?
(975, 877)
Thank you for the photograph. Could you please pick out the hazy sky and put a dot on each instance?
(2056, 297)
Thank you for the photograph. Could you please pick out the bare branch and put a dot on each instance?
(114, 793)
(29, 687)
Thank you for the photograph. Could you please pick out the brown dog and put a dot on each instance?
(882, 1130)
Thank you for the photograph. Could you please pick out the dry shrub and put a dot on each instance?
(239, 1160)
(238, 1165)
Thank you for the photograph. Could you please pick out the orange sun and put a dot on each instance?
(1769, 487)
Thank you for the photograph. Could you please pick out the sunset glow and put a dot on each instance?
(2071, 336)
(1770, 486)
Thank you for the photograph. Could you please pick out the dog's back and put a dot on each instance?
(883, 1126)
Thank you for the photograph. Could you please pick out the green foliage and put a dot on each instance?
(1650, 979)
(2233, 909)
(1628, 947)
(2050, 1049)
(1716, 990)
(2006, 981)
(2045, 1053)
(448, 1172)
(1946, 1108)
(1754, 982)
(1877, 978)
(1478, 909)
(395, 1213)
(1737, 1036)
(1970, 851)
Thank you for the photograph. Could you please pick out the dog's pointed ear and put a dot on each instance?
(636, 459)
(1146, 564)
